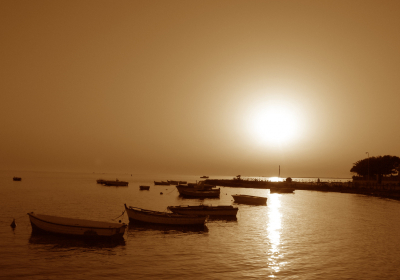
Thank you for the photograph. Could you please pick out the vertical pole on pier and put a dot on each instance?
(279, 176)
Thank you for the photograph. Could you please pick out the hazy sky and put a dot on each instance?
(199, 87)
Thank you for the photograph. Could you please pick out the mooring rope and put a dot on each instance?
(174, 189)
(119, 215)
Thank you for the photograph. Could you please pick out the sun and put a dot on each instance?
(275, 124)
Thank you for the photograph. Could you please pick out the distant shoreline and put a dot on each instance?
(388, 189)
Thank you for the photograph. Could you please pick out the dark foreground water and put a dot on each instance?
(306, 235)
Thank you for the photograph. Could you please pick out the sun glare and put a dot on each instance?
(274, 125)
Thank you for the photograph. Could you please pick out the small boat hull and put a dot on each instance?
(186, 191)
(115, 183)
(220, 210)
(144, 188)
(163, 218)
(76, 227)
(161, 183)
(16, 178)
(249, 199)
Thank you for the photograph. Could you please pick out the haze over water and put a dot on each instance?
(305, 235)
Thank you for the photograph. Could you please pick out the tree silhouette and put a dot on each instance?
(386, 165)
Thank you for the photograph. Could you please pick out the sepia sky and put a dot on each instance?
(199, 87)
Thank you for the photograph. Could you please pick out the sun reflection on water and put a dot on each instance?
(274, 232)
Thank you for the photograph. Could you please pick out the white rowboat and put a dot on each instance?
(249, 199)
(77, 227)
(220, 210)
(156, 217)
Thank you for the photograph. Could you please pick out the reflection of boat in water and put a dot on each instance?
(186, 191)
(144, 187)
(141, 227)
(162, 183)
(282, 190)
(70, 241)
(220, 210)
(249, 199)
(79, 227)
(16, 178)
(165, 218)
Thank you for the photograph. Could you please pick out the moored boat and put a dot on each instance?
(195, 192)
(249, 199)
(172, 182)
(220, 210)
(16, 178)
(165, 218)
(162, 183)
(144, 187)
(204, 177)
(76, 227)
(200, 186)
(115, 183)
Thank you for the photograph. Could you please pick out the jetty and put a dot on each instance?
(385, 189)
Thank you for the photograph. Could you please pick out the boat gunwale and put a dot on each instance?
(79, 226)
(160, 214)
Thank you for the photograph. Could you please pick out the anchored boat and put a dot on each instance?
(196, 192)
(165, 218)
(220, 210)
(115, 183)
(77, 227)
(162, 183)
(249, 199)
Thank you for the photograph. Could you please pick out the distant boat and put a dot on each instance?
(171, 182)
(200, 186)
(77, 227)
(144, 187)
(100, 181)
(195, 192)
(115, 183)
(16, 178)
(164, 218)
(204, 177)
(220, 210)
(163, 183)
(249, 199)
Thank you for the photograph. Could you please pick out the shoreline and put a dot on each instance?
(390, 189)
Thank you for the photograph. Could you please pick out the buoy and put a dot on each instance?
(13, 224)
(161, 193)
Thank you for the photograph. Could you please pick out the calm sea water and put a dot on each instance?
(306, 235)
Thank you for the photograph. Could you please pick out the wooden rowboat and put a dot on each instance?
(249, 199)
(186, 191)
(77, 227)
(165, 218)
(162, 183)
(115, 183)
(220, 210)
